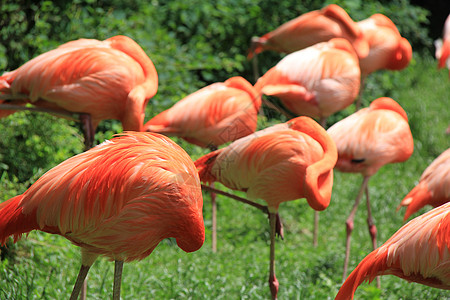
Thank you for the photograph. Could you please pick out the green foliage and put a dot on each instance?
(31, 143)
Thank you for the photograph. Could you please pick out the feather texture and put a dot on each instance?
(433, 188)
(119, 199)
(372, 137)
(281, 163)
(317, 81)
(213, 115)
(111, 79)
(418, 252)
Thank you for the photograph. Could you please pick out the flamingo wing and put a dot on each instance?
(311, 28)
(317, 81)
(275, 159)
(372, 137)
(418, 252)
(111, 79)
(433, 188)
(388, 49)
(135, 189)
(215, 114)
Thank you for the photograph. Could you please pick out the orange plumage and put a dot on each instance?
(111, 79)
(281, 163)
(119, 199)
(372, 137)
(418, 252)
(317, 81)
(366, 141)
(433, 188)
(213, 115)
(388, 49)
(311, 28)
(443, 46)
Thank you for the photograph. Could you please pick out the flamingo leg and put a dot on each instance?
(279, 227)
(349, 225)
(316, 228)
(255, 67)
(83, 292)
(118, 267)
(80, 281)
(361, 90)
(273, 282)
(88, 130)
(372, 228)
(214, 220)
(323, 123)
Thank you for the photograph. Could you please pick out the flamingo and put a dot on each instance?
(214, 115)
(367, 140)
(418, 252)
(309, 29)
(281, 163)
(317, 81)
(119, 200)
(387, 48)
(110, 79)
(433, 187)
(443, 46)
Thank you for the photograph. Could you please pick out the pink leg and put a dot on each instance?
(273, 282)
(80, 281)
(88, 129)
(214, 221)
(323, 123)
(118, 267)
(372, 229)
(349, 225)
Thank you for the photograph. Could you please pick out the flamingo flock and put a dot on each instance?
(121, 198)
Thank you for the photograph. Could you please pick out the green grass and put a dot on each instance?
(45, 266)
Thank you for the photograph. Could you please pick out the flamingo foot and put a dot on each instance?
(273, 283)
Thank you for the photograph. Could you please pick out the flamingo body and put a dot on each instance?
(311, 28)
(387, 48)
(317, 81)
(443, 46)
(418, 252)
(213, 115)
(281, 163)
(119, 199)
(433, 188)
(110, 79)
(372, 137)
(366, 141)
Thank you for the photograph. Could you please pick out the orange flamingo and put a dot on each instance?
(387, 48)
(281, 163)
(317, 81)
(214, 115)
(418, 252)
(311, 28)
(366, 141)
(433, 188)
(119, 199)
(110, 79)
(443, 46)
